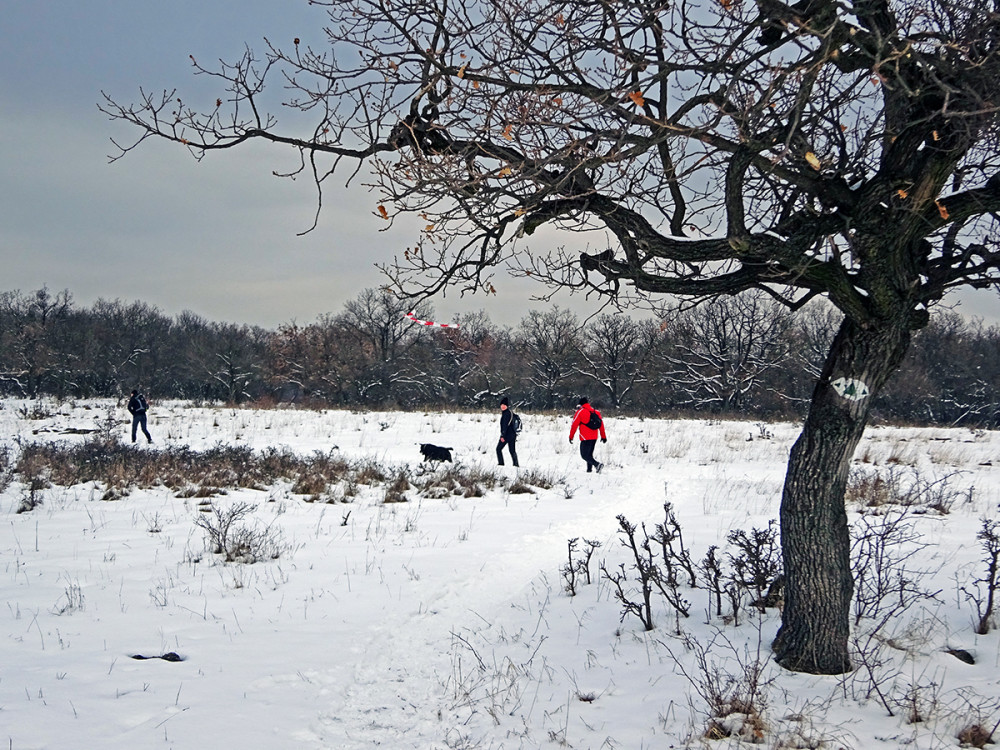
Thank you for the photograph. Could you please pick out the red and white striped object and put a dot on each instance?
(414, 318)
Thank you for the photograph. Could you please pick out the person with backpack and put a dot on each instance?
(509, 423)
(137, 407)
(590, 424)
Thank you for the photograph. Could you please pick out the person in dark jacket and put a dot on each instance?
(508, 435)
(588, 435)
(137, 407)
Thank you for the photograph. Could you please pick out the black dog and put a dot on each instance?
(435, 452)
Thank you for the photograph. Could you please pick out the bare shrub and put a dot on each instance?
(735, 699)
(35, 474)
(649, 576)
(919, 702)
(979, 722)
(36, 410)
(190, 473)
(571, 568)
(938, 495)
(109, 428)
(6, 467)
(872, 488)
(350, 488)
(643, 565)
(520, 487)
(395, 491)
(750, 571)
(195, 490)
(886, 585)
(370, 472)
(254, 543)
(457, 480)
(310, 484)
(757, 560)
(118, 468)
(315, 476)
(219, 523)
(541, 479)
(236, 540)
(590, 547)
(882, 548)
(975, 735)
(982, 591)
(578, 567)
(882, 658)
(31, 498)
(670, 538)
(712, 574)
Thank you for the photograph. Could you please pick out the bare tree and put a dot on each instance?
(317, 360)
(616, 351)
(236, 359)
(951, 375)
(843, 149)
(547, 341)
(462, 361)
(126, 339)
(815, 327)
(724, 349)
(376, 319)
(27, 326)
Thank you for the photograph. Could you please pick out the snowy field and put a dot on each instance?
(444, 621)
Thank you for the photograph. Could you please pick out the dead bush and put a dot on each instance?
(520, 487)
(395, 491)
(231, 535)
(35, 474)
(317, 474)
(578, 568)
(900, 486)
(648, 574)
(870, 489)
(38, 409)
(733, 686)
(188, 472)
(370, 472)
(311, 484)
(975, 735)
(540, 479)
(883, 550)
(456, 480)
(982, 591)
(6, 467)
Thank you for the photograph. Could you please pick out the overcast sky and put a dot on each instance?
(218, 237)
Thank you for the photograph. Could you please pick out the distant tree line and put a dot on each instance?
(740, 356)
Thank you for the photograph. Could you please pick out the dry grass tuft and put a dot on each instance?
(975, 735)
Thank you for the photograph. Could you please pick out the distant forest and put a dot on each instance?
(742, 356)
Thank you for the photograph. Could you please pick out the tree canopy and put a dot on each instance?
(717, 146)
(839, 149)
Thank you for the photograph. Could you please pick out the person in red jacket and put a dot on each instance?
(589, 421)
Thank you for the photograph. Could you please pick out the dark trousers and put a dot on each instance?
(587, 452)
(139, 420)
(511, 446)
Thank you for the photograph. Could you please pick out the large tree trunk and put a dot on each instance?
(814, 536)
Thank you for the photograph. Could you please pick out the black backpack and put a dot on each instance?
(594, 423)
(515, 423)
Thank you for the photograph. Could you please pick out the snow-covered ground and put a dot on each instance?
(444, 622)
